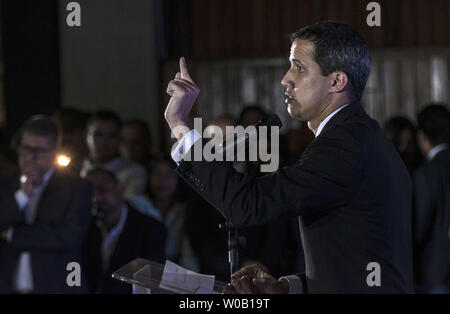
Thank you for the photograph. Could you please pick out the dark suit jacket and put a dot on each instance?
(141, 237)
(432, 221)
(55, 238)
(352, 194)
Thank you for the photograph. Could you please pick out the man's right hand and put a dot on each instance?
(29, 180)
(183, 94)
(253, 279)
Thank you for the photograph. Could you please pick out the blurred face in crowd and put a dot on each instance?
(307, 91)
(251, 117)
(108, 199)
(103, 140)
(163, 180)
(36, 155)
(135, 146)
(406, 141)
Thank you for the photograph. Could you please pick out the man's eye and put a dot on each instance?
(299, 67)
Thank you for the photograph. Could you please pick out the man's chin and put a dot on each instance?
(295, 114)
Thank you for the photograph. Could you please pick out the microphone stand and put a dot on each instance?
(233, 246)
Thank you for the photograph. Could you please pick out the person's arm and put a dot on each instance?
(68, 234)
(323, 179)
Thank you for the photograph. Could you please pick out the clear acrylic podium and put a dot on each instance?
(145, 276)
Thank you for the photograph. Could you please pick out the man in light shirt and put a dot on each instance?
(103, 140)
(44, 216)
(350, 189)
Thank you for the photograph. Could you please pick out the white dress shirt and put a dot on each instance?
(23, 275)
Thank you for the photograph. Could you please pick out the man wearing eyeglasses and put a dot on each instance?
(44, 216)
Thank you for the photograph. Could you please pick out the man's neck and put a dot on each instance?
(314, 124)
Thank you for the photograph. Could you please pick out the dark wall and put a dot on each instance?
(31, 59)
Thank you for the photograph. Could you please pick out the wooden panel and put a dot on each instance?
(234, 28)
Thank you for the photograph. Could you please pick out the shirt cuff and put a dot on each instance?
(184, 145)
(21, 198)
(295, 284)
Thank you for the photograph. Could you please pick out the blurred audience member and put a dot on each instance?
(163, 204)
(251, 114)
(432, 202)
(402, 133)
(136, 143)
(72, 125)
(44, 216)
(103, 140)
(118, 235)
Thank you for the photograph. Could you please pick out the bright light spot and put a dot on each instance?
(63, 160)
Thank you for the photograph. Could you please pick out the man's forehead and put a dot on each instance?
(36, 139)
(301, 49)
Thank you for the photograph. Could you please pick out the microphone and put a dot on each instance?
(272, 120)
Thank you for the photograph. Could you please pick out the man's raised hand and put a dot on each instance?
(183, 93)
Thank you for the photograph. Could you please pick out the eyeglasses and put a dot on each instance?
(26, 150)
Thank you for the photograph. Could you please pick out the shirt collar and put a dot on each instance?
(324, 122)
(117, 229)
(436, 150)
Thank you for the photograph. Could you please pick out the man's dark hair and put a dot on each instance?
(39, 125)
(339, 47)
(141, 124)
(394, 127)
(253, 107)
(434, 122)
(104, 115)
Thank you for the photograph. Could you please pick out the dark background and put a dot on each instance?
(35, 44)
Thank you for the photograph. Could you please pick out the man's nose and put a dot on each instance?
(286, 82)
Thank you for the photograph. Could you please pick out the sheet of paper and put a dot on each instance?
(178, 279)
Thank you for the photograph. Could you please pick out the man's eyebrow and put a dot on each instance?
(297, 61)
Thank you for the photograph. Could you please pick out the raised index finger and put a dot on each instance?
(184, 71)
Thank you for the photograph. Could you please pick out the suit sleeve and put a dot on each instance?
(70, 233)
(323, 179)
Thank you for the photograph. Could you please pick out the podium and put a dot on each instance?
(146, 276)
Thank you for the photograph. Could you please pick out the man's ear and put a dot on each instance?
(339, 81)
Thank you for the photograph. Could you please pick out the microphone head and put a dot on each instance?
(273, 120)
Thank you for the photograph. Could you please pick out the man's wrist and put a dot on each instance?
(179, 127)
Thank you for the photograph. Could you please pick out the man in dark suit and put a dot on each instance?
(119, 235)
(44, 217)
(432, 202)
(350, 189)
